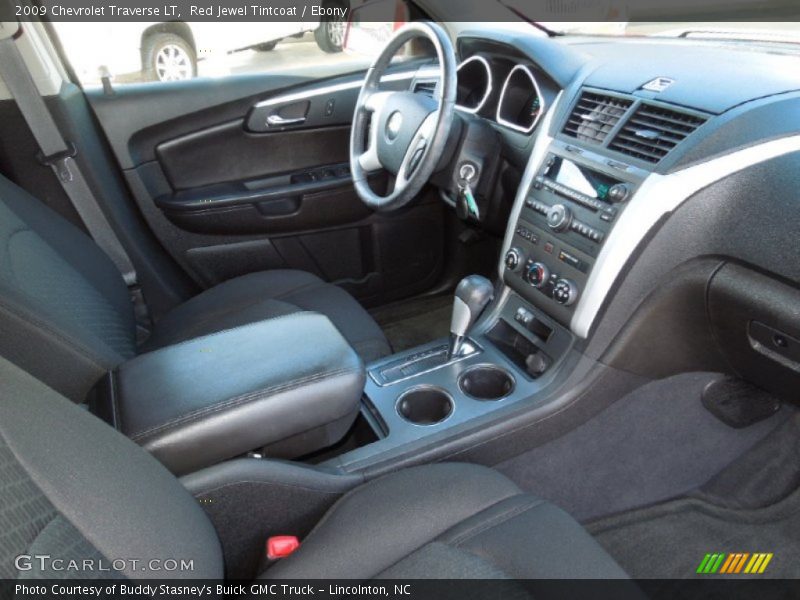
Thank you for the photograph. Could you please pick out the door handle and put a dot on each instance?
(279, 121)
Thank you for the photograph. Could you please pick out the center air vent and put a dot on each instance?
(594, 116)
(652, 131)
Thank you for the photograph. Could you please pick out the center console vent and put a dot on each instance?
(594, 116)
(652, 131)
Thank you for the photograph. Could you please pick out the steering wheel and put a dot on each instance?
(402, 132)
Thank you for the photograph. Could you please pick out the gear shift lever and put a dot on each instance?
(473, 294)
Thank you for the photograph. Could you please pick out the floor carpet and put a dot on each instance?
(752, 506)
(670, 540)
(655, 444)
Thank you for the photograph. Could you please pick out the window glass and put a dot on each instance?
(141, 52)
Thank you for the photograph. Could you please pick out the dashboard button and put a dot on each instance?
(608, 215)
(523, 316)
(568, 258)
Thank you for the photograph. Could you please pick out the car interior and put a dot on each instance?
(511, 305)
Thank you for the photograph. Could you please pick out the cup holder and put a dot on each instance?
(486, 382)
(425, 405)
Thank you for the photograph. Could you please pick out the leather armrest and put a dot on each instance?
(290, 385)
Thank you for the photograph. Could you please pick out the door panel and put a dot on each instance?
(229, 153)
(227, 193)
(251, 208)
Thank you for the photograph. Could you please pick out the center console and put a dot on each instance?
(573, 203)
(283, 387)
(418, 399)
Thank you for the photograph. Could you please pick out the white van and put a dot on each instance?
(170, 51)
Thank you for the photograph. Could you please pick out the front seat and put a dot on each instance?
(74, 488)
(66, 315)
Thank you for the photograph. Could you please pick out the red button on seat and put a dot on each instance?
(281, 546)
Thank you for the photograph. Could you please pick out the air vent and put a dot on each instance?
(652, 131)
(425, 87)
(594, 116)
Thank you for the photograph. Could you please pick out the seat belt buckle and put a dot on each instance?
(60, 161)
(144, 324)
(281, 546)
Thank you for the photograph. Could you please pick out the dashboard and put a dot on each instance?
(611, 145)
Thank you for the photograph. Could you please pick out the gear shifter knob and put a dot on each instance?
(473, 294)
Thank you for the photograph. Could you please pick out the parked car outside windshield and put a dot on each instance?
(176, 50)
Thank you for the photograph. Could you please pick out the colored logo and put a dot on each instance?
(738, 563)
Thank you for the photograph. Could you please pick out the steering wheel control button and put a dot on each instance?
(415, 160)
(393, 125)
(513, 259)
(559, 217)
(565, 292)
(537, 274)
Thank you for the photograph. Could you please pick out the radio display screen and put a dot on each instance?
(580, 178)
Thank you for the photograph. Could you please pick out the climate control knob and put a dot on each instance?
(513, 259)
(537, 274)
(559, 217)
(565, 292)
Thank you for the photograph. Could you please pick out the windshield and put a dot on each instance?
(743, 20)
(742, 31)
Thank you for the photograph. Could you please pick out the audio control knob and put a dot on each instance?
(559, 217)
(565, 292)
(619, 192)
(513, 259)
(537, 274)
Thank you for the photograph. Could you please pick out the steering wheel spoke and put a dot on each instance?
(369, 159)
(416, 151)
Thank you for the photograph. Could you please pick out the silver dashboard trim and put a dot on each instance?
(540, 146)
(469, 346)
(542, 109)
(489, 86)
(339, 87)
(660, 195)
